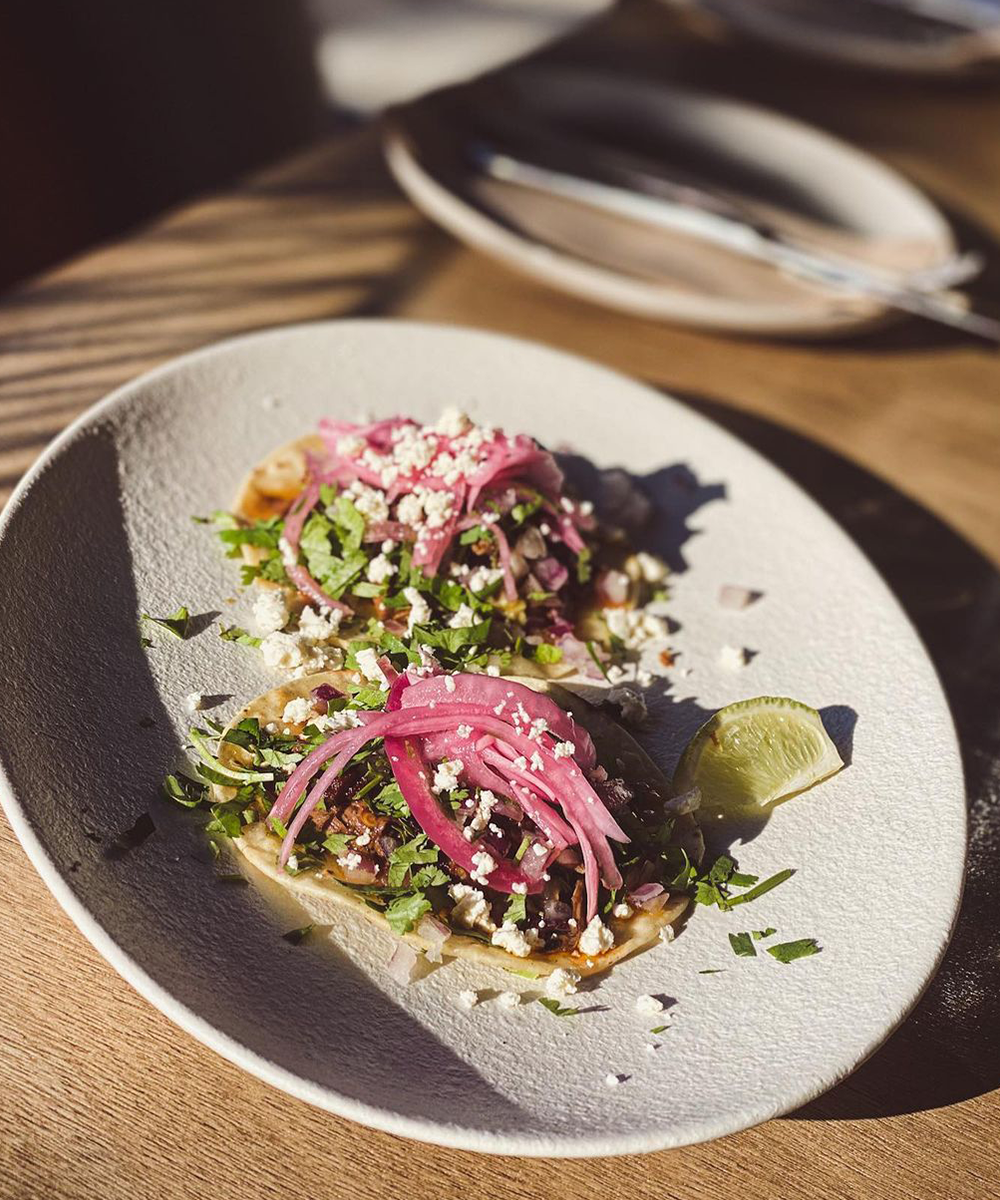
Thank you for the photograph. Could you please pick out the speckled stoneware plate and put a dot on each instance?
(101, 529)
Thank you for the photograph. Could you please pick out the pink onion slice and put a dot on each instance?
(435, 933)
(292, 532)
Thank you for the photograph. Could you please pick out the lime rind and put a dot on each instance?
(757, 752)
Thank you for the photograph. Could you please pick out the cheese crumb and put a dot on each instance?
(368, 664)
(562, 983)
(194, 702)
(483, 865)
(648, 1006)
(621, 910)
(509, 999)
(319, 626)
(596, 938)
(467, 999)
(508, 937)
(732, 658)
(471, 908)
(446, 775)
(270, 611)
(420, 612)
(612, 1080)
(281, 650)
(296, 712)
(449, 686)
(653, 569)
(380, 569)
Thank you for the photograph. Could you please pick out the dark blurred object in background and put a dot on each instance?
(113, 110)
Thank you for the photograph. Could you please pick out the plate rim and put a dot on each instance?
(324, 1097)
(565, 272)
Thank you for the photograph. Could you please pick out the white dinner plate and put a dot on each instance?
(644, 271)
(101, 529)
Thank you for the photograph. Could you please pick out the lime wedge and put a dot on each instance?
(755, 752)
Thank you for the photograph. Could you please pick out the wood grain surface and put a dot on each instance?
(100, 1096)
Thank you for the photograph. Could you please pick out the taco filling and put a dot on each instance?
(452, 543)
(472, 814)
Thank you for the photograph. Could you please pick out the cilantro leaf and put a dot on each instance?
(350, 523)
(516, 909)
(410, 854)
(176, 624)
(760, 934)
(557, 1009)
(659, 1028)
(762, 888)
(786, 952)
(405, 911)
(337, 843)
(233, 633)
(545, 652)
(453, 640)
(184, 790)
(742, 945)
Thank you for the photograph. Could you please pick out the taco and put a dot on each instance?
(451, 536)
(506, 821)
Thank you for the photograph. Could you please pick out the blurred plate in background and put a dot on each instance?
(630, 266)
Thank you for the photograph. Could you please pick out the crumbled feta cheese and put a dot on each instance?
(350, 861)
(194, 702)
(630, 703)
(651, 1047)
(562, 983)
(449, 686)
(465, 617)
(483, 864)
(509, 999)
(538, 727)
(363, 838)
(653, 569)
(452, 423)
(409, 510)
(270, 611)
(467, 999)
(519, 889)
(297, 711)
(368, 664)
(370, 502)
(635, 626)
(612, 1080)
(541, 849)
(464, 731)
(483, 577)
(648, 1006)
(388, 546)
(350, 446)
(621, 910)
(319, 626)
(508, 937)
(281, 650)
(446, 775)
(643, 678)
(520, 763)
(537, 762)
(420, 612)
(471, 908)
(380, 569)
(732, 658)
(493, 670)
(564, 750)
(437, 507)
(480, 818)
(344, 718)
(596, 938)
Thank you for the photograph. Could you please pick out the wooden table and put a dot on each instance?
(100, 1096)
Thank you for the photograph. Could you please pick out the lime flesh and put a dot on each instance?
(756, 752)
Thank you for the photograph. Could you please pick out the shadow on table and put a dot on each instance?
(949, 1048)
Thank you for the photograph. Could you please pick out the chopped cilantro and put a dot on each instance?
(295, 936)
(184, 790)
(350, 523)
(761, 888)
(742, 945)
(337, 843)
(405, 911)
(557, 1009)
(545, 652)
(233, 633)
(659, 1028)
(176, 624)
(516, 909)
(225, 821)
(786, 952)
(525, 843)
(410, 854)
(453, 640)
(760, 934)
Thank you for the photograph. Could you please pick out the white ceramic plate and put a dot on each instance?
(627, 267)
(101, 529)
